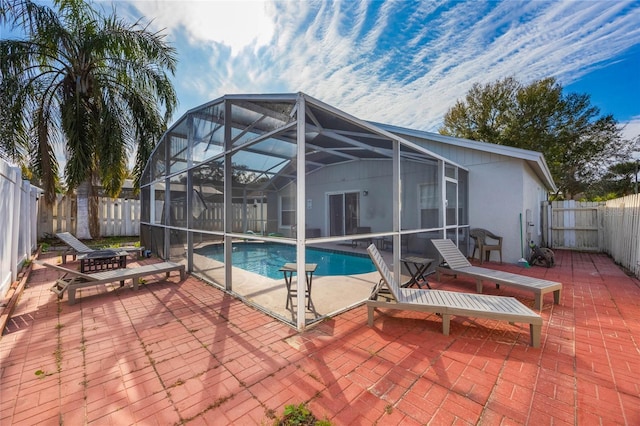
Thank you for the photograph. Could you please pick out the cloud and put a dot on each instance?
(631, 128)
(403, 63)
(233, 23)
(375, 72)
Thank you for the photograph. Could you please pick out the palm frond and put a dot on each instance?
(96, 83)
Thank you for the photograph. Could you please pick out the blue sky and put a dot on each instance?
(400, 62)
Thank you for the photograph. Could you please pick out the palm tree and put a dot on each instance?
(90, 84)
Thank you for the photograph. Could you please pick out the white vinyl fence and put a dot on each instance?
(117, 217)
(18, 219)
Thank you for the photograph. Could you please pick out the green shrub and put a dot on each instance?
(300, 415)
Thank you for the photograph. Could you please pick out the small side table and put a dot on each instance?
(102, 260)
(291, 268)
(417, 267)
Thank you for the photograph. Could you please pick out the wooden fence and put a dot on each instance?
(117, 217)
(573, 225)
(612, 227)
(620, 219)
(244, 217)
(121, 217)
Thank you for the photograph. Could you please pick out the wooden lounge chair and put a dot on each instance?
(77, 247)
(457, 264)
(73, 280)
(448, 303)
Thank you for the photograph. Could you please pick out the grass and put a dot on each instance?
(299, 415)
(97, 243)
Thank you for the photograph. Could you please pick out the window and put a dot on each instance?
(451, 202)
(287, 210)
(429, 205)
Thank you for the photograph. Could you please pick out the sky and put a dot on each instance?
(399, 62)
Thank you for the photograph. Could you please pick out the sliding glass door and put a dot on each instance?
(344, 213)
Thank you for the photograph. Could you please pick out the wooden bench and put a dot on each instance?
(74, 280)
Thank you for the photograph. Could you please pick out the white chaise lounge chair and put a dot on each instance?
(448, 303)
(457, 264)
(77, 247)
(73, 280)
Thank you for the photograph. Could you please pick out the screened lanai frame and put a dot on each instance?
(245, 168)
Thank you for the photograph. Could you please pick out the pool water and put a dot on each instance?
(267, 258)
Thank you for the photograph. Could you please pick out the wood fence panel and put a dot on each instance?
(621, 219)
(574, 225)
(612, 227)
(64, 214)
(132, 221)
(117, 217)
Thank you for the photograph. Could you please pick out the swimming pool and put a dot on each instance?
(267, 258)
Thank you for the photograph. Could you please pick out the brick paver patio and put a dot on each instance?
(190, 354)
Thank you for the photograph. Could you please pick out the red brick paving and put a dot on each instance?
(191, 354)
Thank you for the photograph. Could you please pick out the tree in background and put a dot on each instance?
(92, 84)
(577, 142)
(620, 180)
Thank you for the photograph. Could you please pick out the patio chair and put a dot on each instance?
(77, 247)
(448, 303)
(361, 230)
(73, 280)
(485, 243)
(457, 264)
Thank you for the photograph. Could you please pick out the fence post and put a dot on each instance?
(14, 222)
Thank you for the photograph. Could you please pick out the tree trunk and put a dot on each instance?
(94, 218)
(82, 212)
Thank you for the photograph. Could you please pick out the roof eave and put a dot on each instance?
(534, 158)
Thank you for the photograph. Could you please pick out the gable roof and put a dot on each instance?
(534, 159)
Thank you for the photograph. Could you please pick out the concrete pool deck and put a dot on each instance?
(330, 294)
(191, 354)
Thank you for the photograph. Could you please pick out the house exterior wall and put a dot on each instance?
(375, 177)
(534, 195)
(500, 189)
(496, 201)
